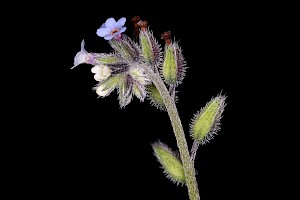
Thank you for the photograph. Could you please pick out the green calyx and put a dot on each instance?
(146, 48)
(122, 48)
(108, 59)
(171, 164)
(169, 67)
(207, 121)
(112, 82)
(155, 97)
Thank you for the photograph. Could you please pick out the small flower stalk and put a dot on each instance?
(139, 68)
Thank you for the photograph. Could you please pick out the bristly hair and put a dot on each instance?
(216, 125)
(137, 52)
(156, 49)
(104, 58)
(180, 62)
(159, 144)
(118, 68)
(153, 101)
(125, 91)
(126, 49)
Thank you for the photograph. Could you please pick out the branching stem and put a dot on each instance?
(188, 166)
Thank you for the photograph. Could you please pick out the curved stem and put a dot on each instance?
(188, 166)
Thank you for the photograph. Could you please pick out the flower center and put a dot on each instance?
(114, 31)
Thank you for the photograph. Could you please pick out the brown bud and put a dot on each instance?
(166, 36)
(143, 25)
(135, 21)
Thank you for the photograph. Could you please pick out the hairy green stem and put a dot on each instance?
(188, 166)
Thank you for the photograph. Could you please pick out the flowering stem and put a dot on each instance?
(188, 166)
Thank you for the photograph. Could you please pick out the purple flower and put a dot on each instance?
(112, 29)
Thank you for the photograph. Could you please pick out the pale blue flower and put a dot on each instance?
(112, 29)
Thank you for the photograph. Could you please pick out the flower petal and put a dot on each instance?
(79, 59)
(121, 22)
(122, 30)
(108, 37)
(110, 23)
(96, 69)
(103, 26)
(99, 77)
(106, 71)
(82, 47)
(102, 32)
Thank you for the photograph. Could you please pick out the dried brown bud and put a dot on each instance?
(166, 36)
(135, 21)
(143, 25)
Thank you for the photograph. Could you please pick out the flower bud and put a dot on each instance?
(102, 72)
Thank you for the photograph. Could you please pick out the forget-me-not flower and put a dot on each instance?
(112, 29)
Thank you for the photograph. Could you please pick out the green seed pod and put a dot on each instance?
(206, 123)
(126, 48)
(151, 50)
(155, 97)
(170, 162)
(173, 67)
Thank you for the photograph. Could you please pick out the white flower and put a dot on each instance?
(101, 92)
(81, 56)
(102, 72)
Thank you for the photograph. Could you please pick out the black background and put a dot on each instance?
(86, 147)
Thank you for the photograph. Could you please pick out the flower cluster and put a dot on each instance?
(121, 70)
